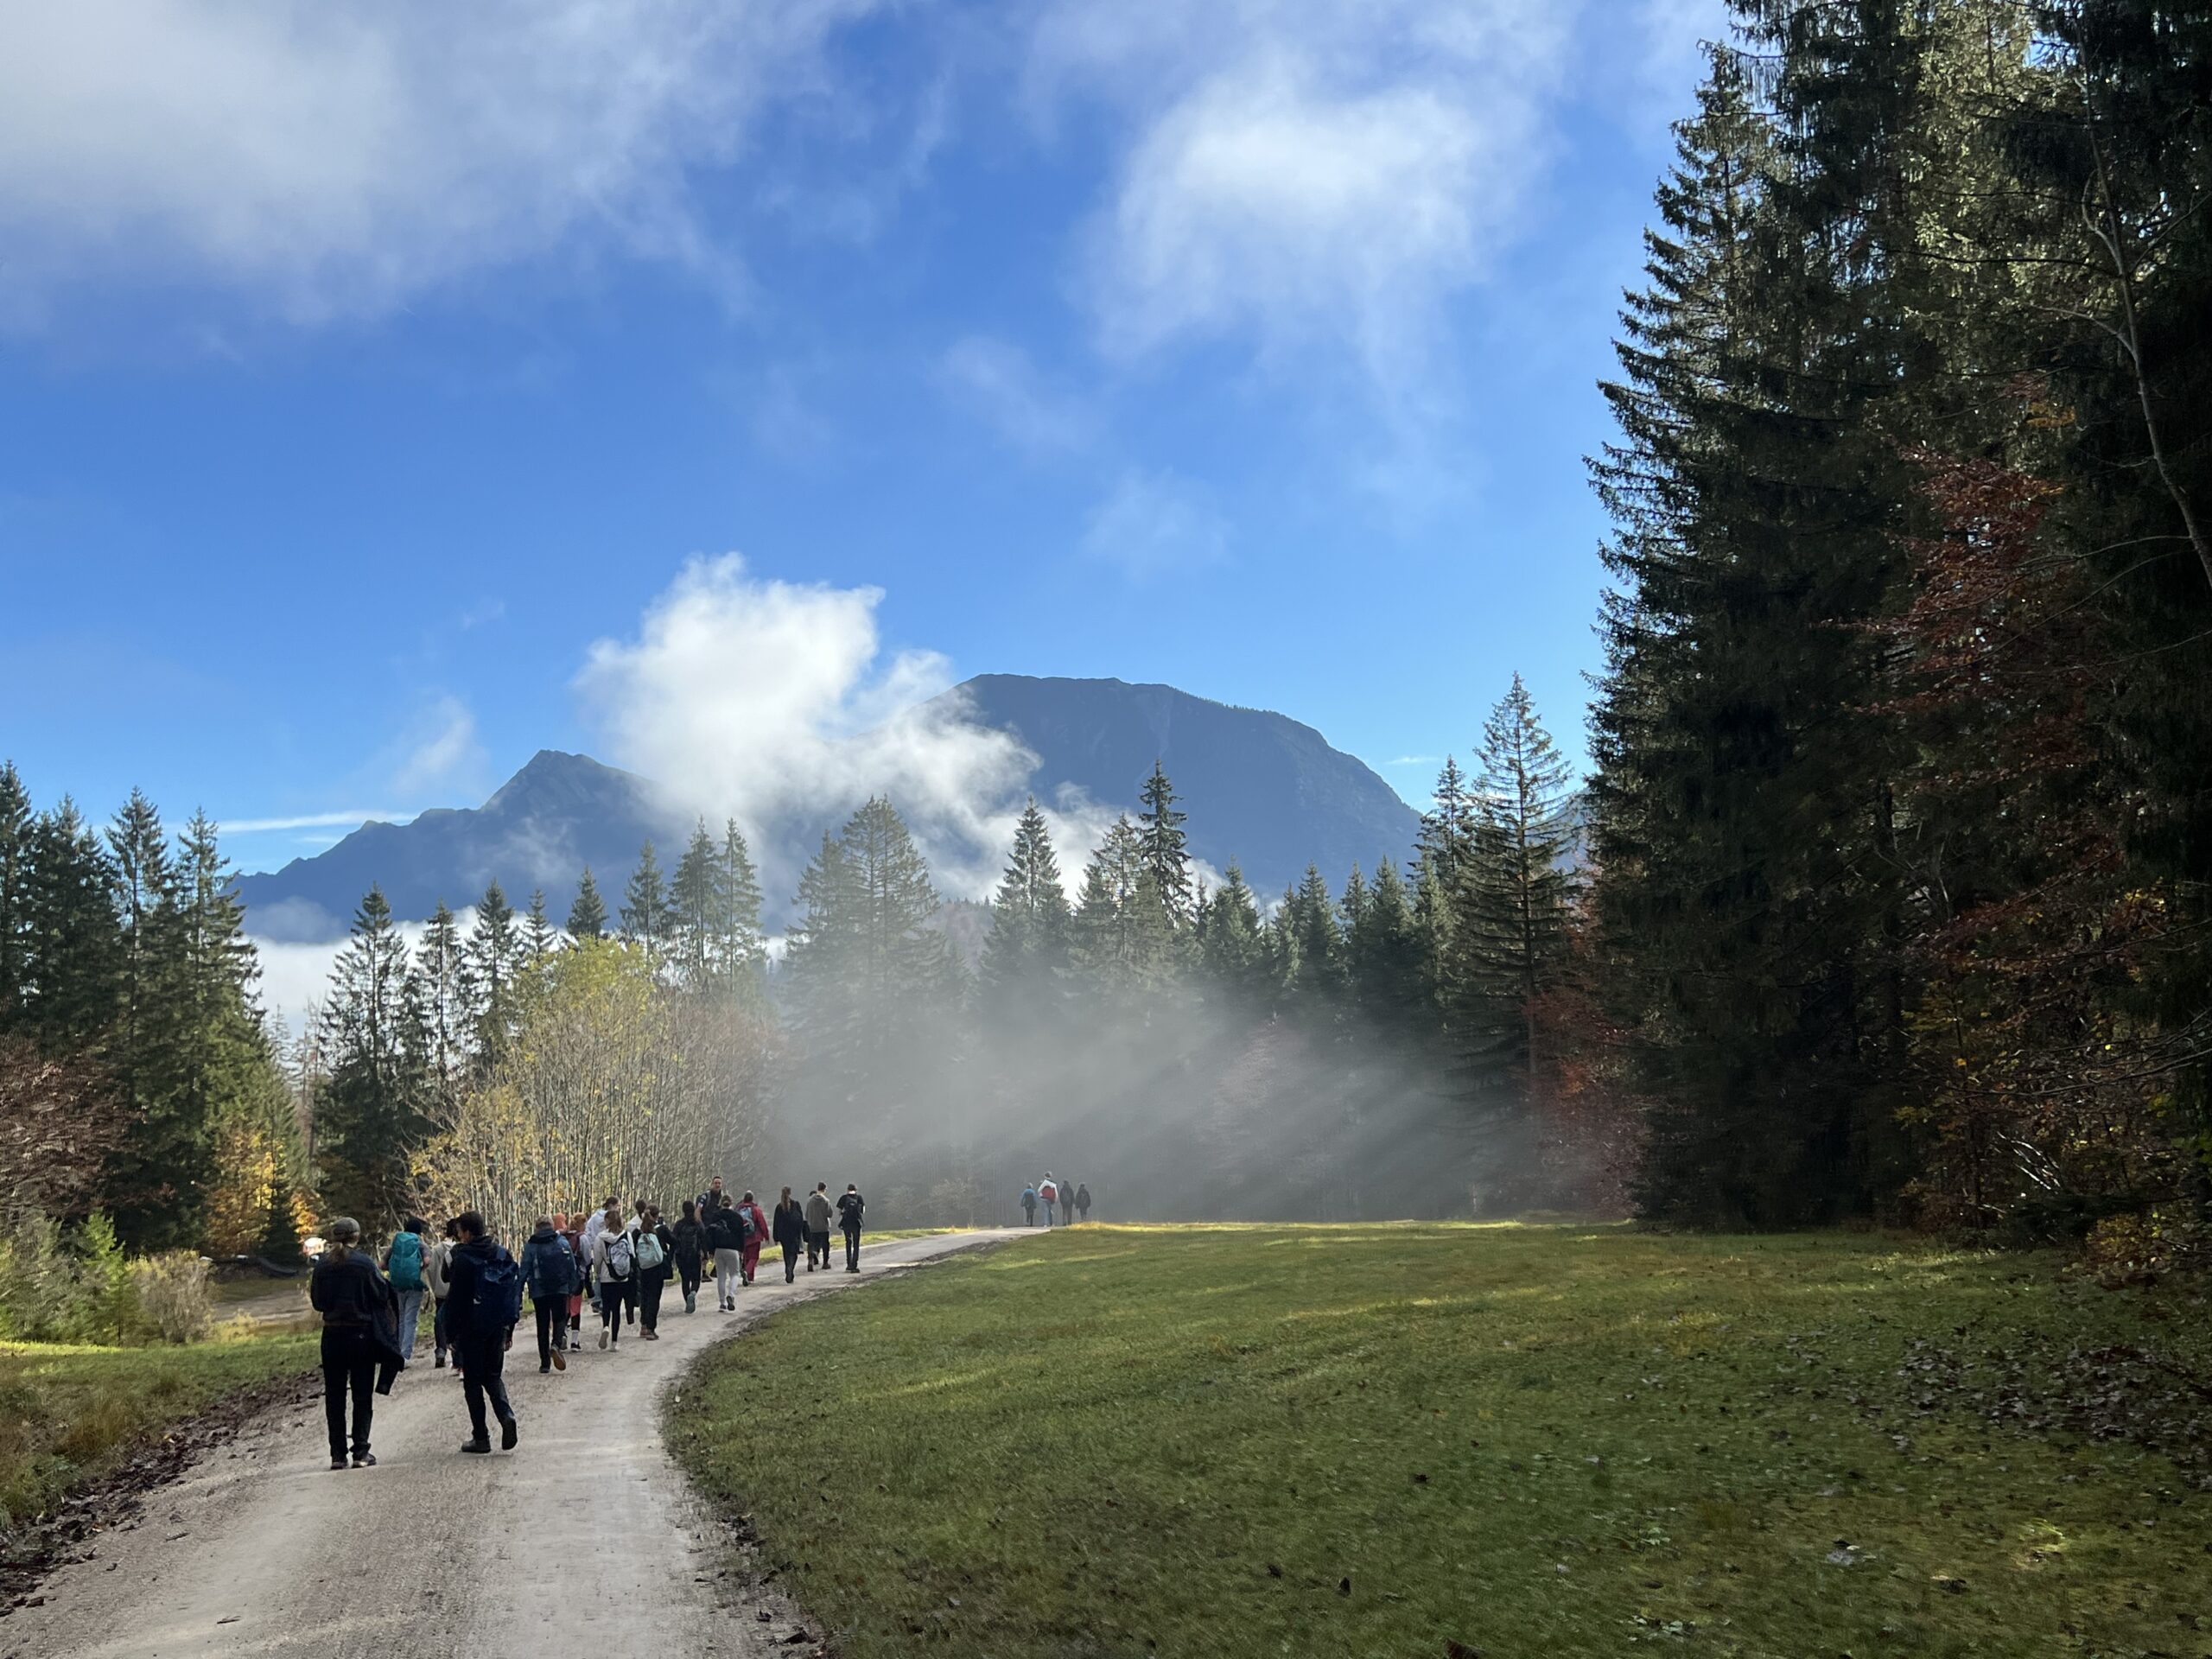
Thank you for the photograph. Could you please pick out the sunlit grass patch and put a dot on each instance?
(1372, 1440)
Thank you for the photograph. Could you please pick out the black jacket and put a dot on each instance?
(787, 1224)
(723, 1232)
(849, 1211)
(470, 1257)
(690, 1242)
(351, 1294)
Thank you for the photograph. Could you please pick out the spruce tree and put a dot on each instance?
(445, 996)
(371, 1111)
(587, 914)
(695, 941)
(743, 952)
(540, 939)
(648, 916)
(74, 942)
(1234, 952)
(1164, 856)
(15, 842)
(1025, 954)
(494, 960)
(1120, 943)
(139, 1055)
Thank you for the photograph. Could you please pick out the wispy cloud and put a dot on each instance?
(309, 820)
(1415, 760)
(999, 384)
(1155, 524)
(440, 750)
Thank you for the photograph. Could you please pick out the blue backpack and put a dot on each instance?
(499, 1292)
(404, 1267)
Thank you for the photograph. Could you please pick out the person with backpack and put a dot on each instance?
(486, 1305)
(688, 1245)
(548, 1271)
(1082, 1201)
(752, 1234)
(614, 1263)
(360, 1314)
(1048, 1194)
(434, 1268)
(819, 1211)
(653, 1244)
(724, 1236)
(849, 1218)
(788, 1227)
(402, 1266)
(1029, 1207)
(573, 1231)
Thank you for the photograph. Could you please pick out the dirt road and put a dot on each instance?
(583, 1540)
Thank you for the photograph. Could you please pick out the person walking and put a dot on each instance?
(549, 1273)
(402, 1266)
(612, 1263)
(688, 1242)
(360, 1331)
(710, 1203)
(1082, 1201)
(654, 1245)
(1029, 1207)
(788, 1227)
(486, 1303)
(574, 1232)
(724, 1236)
(434, 1272)
(849, 1217)
(752, 1233)
(1048, 1194)
(819, 1211)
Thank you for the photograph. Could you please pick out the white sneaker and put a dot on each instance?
(602, 1338)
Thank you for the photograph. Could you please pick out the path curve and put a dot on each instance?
(585, 1539)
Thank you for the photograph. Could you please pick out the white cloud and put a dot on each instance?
(1307, 174)
(997, 381)
(772, 701)
(440, 750)
(309, 820)
(338, 160)
(1156, 524)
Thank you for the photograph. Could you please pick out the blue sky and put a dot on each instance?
(369, 377)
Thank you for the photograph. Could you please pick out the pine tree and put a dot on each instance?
(588, 915)
(1310, 917)
(743, 954)
(1383, 957)
(1025, 955)
(1446, 840)
(695, 941)
(73, 939)
(15, 845)
(540, 939)
(1162, 840)
(648, 917)
(1233, 950)
(371, 1112)
(1120, 939)
(444, 994)
(145, 905)
(494, 960)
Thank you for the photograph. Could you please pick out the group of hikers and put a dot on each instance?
(1068, 1200)
(616, 1260)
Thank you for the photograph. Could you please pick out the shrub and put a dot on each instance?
(171, 1291)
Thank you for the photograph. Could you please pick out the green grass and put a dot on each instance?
(68, 1414)
(1542, 1440)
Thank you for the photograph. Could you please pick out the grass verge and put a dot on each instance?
(70, 1416)
(1433, 1440)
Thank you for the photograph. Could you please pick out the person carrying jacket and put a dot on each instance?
(405, 1266)
(549, 1273)
(360, 1332)
(652, 1244)
(574, 1232)
(724, 1236)
(1082, 1201)
(1029, 1207)
(819, 1211)
(614, 1267)
(435, 1268)
(788, 1227)
(752, 1233)
(849, 1217)
(688, 1244)
(486, 1301)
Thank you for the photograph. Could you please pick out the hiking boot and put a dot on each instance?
(508, 1436)
(560, 1360)
(441, 1363)
(477, 1448)
(338, 1463)
(365, 1460)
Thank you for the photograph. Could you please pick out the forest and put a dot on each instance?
(1886, 898)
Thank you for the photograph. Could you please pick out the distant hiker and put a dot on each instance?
(1082, 1201)
(486, 1303)
(574, 1232)
(752, 1234)
(724, 1235)
(549, 1273)
(613, 1263)
(849, 1218)
(403, 1265)
(1049, 1192)
(689, 1240)
(1067, 1202)
(710, 1201)
(1029, 1207)
(788, 1227)
(360, 1331)
(819, 1211)
(434, 1270)
(655, 1244)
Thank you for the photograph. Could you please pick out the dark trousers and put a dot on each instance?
(818, 1246)
(349, 1364)
(790, 1260)
(552, 1327)
(852, 1249)
(687, 1274)
(438, 1329)
(649, 1290)
(481, 1360)
(614, 1295)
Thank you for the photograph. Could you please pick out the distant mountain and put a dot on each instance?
(1258, 788)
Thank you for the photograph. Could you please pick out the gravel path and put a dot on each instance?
(584, 1541)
